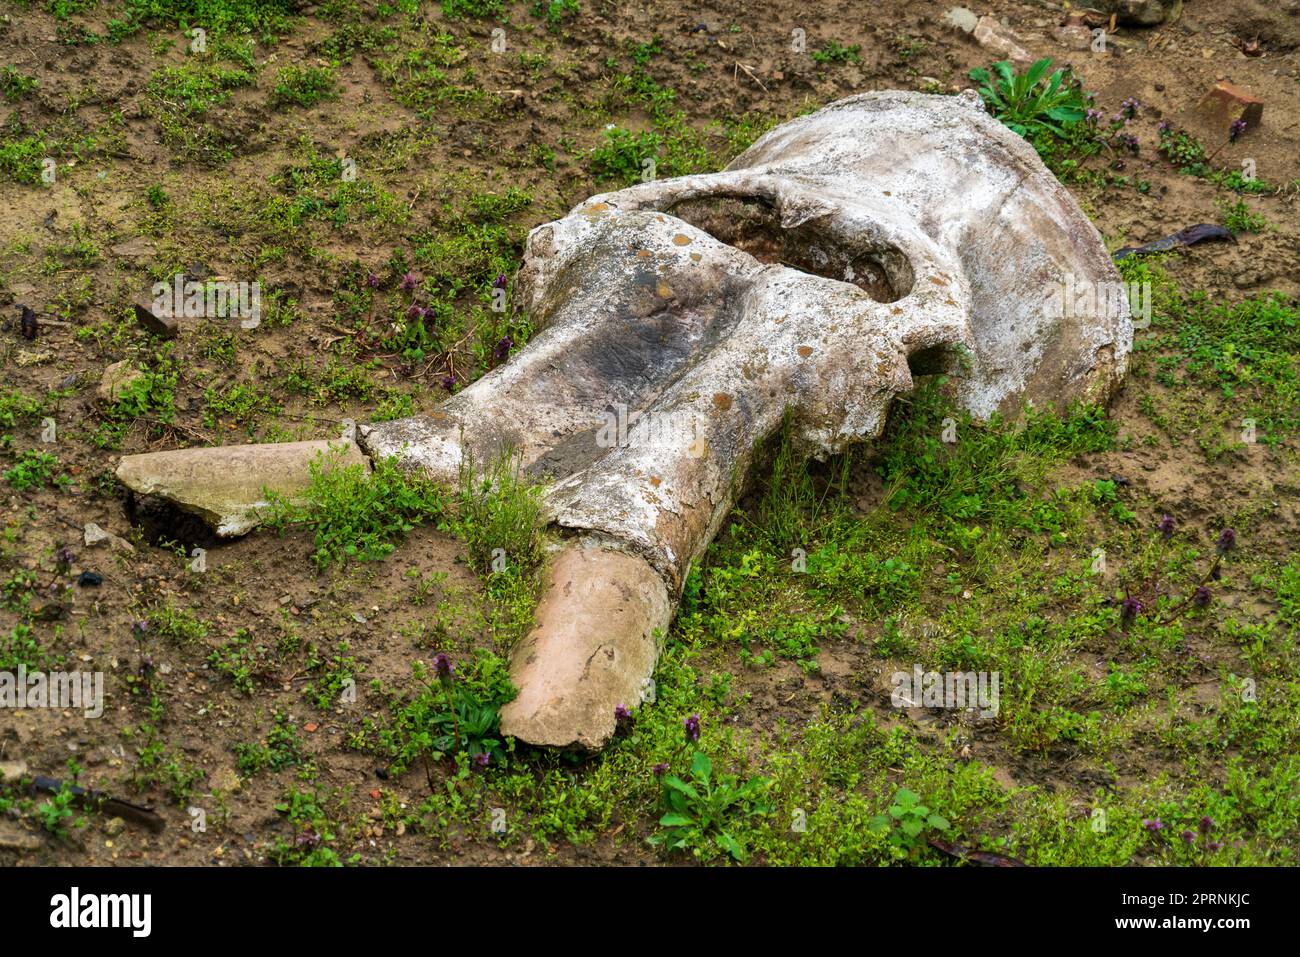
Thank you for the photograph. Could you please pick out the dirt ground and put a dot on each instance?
(78, 250)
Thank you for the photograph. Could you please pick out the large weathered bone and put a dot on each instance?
(886, 233)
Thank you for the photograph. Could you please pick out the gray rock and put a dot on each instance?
(226, 485)
(116, 378)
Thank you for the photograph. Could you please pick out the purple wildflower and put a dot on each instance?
(138, 628)
(1130, 107)
(414, 312)
(448, 382)
(1189, 836)
(1129, 609)
(1166, 526)
(442, 666)
(1163, 127)
(1093, 116)
(503, 349)
(660, 769)
(693, 728)
(1227, 539)
(1153, 824)
(500, 281)
(1238, 127)
(482, 759)
(622, 713)
(409, 282)
(372, 281)
(1207, 824)
(1201, 597)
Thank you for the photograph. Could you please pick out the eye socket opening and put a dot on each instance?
(753, 225)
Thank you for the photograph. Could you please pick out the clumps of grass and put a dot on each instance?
(15, 85)
(499, 517)
(833, 52)
(178, 625)
(35, 470)
(160, 766)
(1237, 358)
(554, 12)
(149, 399)
(264, 19)
(1238, 217)
(1182, 150)
(623, 154)
(281, 748)
(479, 9)
(194, 88)
(359, 514)
(183, 99)
(17, 408)
(241, 403)
(303, 86)
(314, 832)
(20, 648)
(22, 153)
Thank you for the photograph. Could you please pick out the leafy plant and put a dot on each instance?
(449, 715)
(834, 52)
(1239, 219)
(359, 515)
(303, 86)
(906, 822)
(703, 813)
(35, 470)
(1027, 102)
(58, 810)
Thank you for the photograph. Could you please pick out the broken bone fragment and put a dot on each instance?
(886, 236)
(593, 645)
(226, 485)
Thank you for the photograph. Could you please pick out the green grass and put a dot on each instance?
(303, 86)
(358, 514)
(1218, 364)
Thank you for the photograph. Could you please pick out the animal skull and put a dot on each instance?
(884, 235)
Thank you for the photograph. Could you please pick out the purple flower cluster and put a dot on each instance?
(692, 728)
(1238, 127)
(442, 666)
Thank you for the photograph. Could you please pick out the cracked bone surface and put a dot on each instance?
(885, 233)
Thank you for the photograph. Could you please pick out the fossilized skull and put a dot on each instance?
(885, 235)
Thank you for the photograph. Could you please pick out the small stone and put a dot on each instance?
(24, 358)
(165, 326)
(961, 18)
(1001, 40)
(1140, 13)
(225, 485)
(1075, 37)
(117, 377)
(93, 535)
(1225, 104)
(132, 248)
